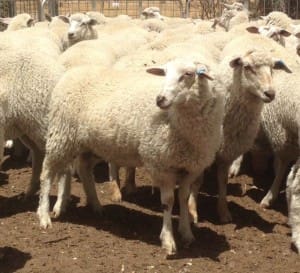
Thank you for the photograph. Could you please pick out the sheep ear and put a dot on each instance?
(202, 72)
(263, 17)
(64, 18)
(252, 29)
(92, 22)
(30, 22)
(48, 17)
(279, 64)
(285, 33)
(5, 20)
(236, 62)
(158, 71)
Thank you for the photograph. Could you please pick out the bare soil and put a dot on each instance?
(126, 237)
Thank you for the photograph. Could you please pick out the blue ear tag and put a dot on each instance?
(280, 62)
(200, 71)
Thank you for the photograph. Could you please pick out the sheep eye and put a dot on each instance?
(249, 68)
(189, 73)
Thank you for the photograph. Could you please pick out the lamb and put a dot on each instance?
(186, 104)
(246, 92)
(279, 19)
(80, 28)
(27, 80)
(292, 196)
(20, 21)
(151, 12)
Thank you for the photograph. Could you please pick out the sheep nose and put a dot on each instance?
(160, 100)
(70, 34)
(270, 94)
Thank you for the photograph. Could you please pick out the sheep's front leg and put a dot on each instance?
(184, 222)
(293, 198)
(47, 177)
(85, 172)
(192, 203)
(222, 176)
(281, 167)
(167, 201)
(64, 191)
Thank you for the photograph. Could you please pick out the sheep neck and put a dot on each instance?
(186, 118)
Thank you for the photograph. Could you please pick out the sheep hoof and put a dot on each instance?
(116, 196)
(45, 222)
(188, 240)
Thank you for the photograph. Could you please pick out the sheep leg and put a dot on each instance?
(37, 162)
(235, 167)
(222, 176)
(64, 192)
(270, 197)
(130, 186)
(293, 198)
(167, 188)
(184, 220)
(192, 203)
(47, 177)
(115, 180)
(85, 172)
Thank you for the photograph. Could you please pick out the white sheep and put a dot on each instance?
(20, 21)
(81, 27)
(175, 140)
(27, 80)
(151, 12)
(247, 88)
(293, 202)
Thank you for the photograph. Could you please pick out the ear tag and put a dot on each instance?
(200, 71)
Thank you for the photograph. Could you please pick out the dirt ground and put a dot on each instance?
(126, 238)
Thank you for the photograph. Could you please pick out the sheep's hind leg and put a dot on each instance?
(47, 178)
(115, 180)
(130, 186)
(222, 176)
(167, 187)
(192, 202)
(85, 172)
(64, 191)
(184, 220)
(271, 196)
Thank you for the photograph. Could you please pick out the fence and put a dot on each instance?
(179, 8)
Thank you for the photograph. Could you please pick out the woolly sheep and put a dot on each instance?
(186, 104)
(151, 12)
(20, 21)
(249, 87)
(80, 28)
(27, 80)
(292, 196)
(279, 19)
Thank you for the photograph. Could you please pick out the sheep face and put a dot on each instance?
(79, 26)
(273, 32)
(180, 76)
(255, 73)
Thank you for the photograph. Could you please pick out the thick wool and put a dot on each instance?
(104, 113)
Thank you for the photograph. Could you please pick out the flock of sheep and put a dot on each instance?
(173, 95)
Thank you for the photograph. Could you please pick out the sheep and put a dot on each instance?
(98, 16)
(292, 196)
(80, 28)
(151, 12)
(274, 32)
(20, 21)
(279, 19)
(174, 141)
(249, 87)
(26, 81)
